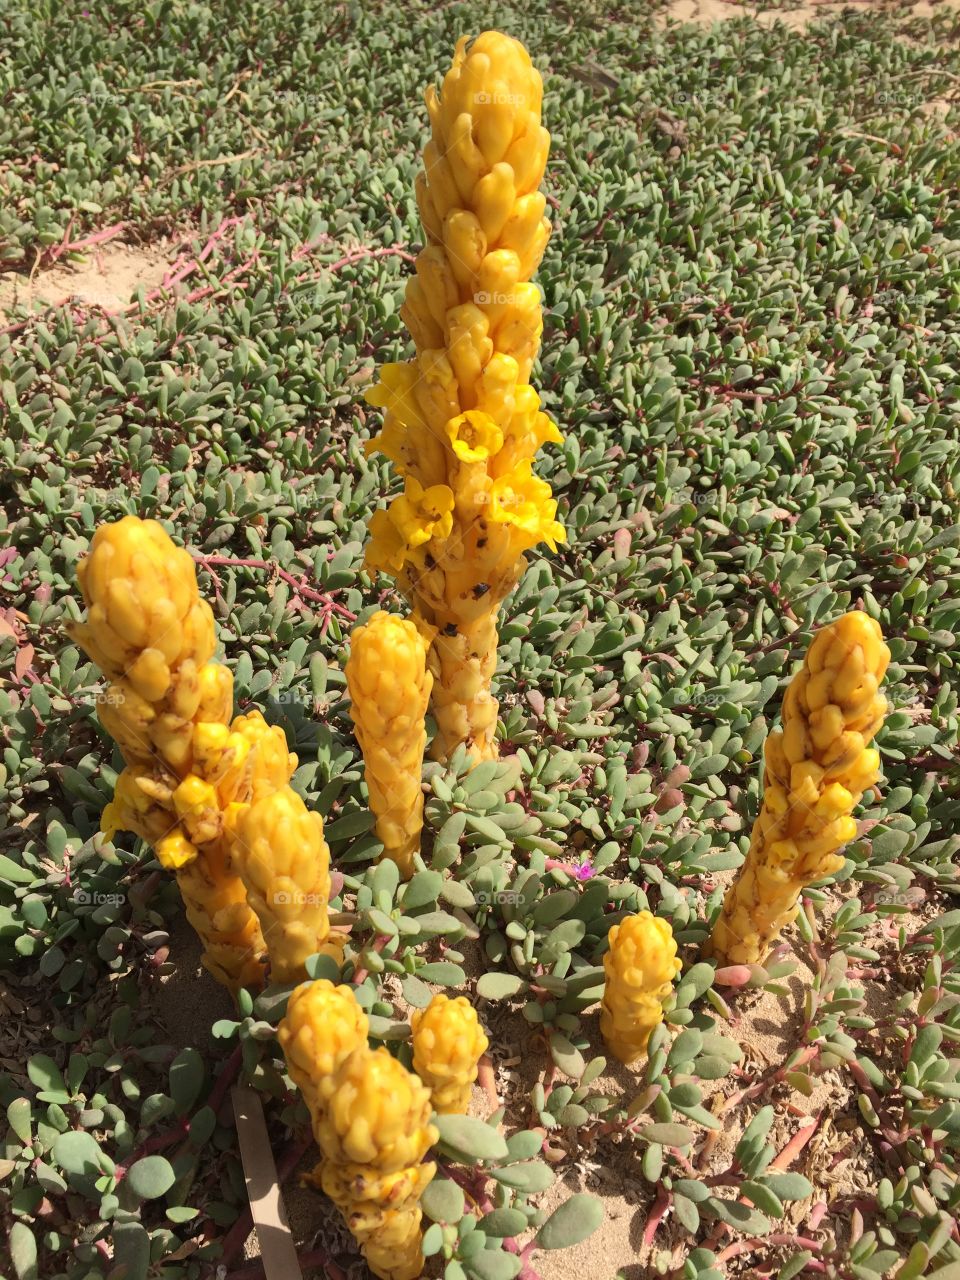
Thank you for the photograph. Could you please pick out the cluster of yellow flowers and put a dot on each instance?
(211, 795)
(371, 1121)
(462, 422)
(639, 968)
(448, 1043)
(389, 691)
(817, 768)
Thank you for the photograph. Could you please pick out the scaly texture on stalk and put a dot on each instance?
(189, 770)
(448, 1043)
(462, 422)
(374, 1133)
(817, 768)
(639, 970)
(389, 691)
(323, 1025)
(280, 852)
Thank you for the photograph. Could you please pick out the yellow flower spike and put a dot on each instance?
(448, 1043)
(167, 707)
(389, 689)
(476, 320)
(639, 967)
(816, 771)
(374, 1133)
(278, 847)
(322, 1027)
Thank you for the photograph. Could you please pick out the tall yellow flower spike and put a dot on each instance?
(374, 1134)
(448, 1043)
(817, 768)
(461, 421)
(389, 690)
(168, 707)
(639, 970)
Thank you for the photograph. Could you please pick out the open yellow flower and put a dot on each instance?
(386, 550)
(474, 435)
(523, 500)
(421, 514)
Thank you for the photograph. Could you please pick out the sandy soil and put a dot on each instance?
(107, 278)
(799, 18)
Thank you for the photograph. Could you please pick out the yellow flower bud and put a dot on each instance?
(389, 689)
(283, 859)
(374, 1130)
(323, 1025)
(448, 1043)
(639, 967)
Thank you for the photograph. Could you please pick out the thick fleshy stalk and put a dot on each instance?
(816, 770)
(461, 421)
(389, 692)
(448, 1043)
(639, 968)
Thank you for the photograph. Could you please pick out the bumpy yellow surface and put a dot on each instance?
(323, 1025)
(284, 861)
(817, 768)
(462, 423)
(374, 1134)
(639, 970)
(389, 691)
(189, 770)
(448, 1043)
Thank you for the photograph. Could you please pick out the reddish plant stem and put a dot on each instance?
(299, 584)
(181, 1130)
(657, 1212)
(781, 1238)
(360, 975)
(796, 1144)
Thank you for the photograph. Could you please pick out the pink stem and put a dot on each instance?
(298, 584)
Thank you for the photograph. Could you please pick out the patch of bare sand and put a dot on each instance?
(108, 277)
(706, 12)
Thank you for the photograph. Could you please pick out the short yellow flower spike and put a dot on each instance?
(816, 770)
(279, 849)
(448, 1043)
(461, 421)
(389, 690)
(374, 1135)
(323, 1025)
(168, 708)
(639, 969)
